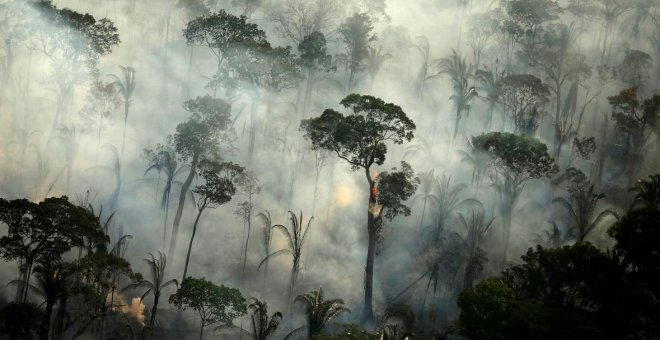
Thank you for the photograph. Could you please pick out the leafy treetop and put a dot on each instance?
(521, 157)
(215, 304)
(359, 138)
(207, 127)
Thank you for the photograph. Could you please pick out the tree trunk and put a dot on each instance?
(182, 202)
(201, 331)
(45, 324)
(253, 130)
(167, 209)
(247, 239)
(368, 313)
(506, 223)
(154, 309)
(192, 237)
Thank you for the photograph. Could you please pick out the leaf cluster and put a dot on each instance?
(215, 304)
(359, 137)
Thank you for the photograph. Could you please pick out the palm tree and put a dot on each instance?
(157, 283)
(428, 183)
(581, 208)
(319, 311)
(477, 228)
(126, 86)
(375, 60)
(165, 161)
(268, 228)
(648, 192)
(463, 92)
(489, 84)
(448, 200)
(295, 239)
(263, 327)
(50, 284)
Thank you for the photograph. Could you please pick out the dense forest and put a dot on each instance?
(329, 169)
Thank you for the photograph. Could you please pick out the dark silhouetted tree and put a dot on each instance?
(215, 305)
(359, 138)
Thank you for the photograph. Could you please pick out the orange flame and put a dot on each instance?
(374, 190)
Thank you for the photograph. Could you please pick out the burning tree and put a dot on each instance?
(359, 138)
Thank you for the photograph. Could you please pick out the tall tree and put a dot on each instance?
(126, 85)
(233, 40)
(163, 159)
(634, 118)
(217, 189)
(463, 92)
(295, 240)
(581, 207)
(514, 161)
(215, 305)
(43, 232)
(314, 59)
(356, 35)
(524, 95)
(248, 184)
(73, 42)
(268, 227)
(360, 139)
(200, 136)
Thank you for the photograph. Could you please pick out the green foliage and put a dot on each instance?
(205, 129)
(226, 34)
(20, 321)
(218, 187)
(394, 188)
(637, 237)
(635, 68)
(214, 304)
(314, 53)
(359, 138)
(263, 327)
(486, 310)
(44, 232)
(648, 192)
(519, 157)
(320, 311)
(356, 34)
(524, 95)
(76, 39)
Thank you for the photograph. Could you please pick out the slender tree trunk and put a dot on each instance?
(167, 209)
(421, 219)
(367, 312)
(192, 237)
(182, 202)
(190, 58)
(154, 309)
(247, 239)
(253, 130)
(45, 324)
(506, 223)
(58, 327)
(201, 331)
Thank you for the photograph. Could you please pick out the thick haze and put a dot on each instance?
(35, 158)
